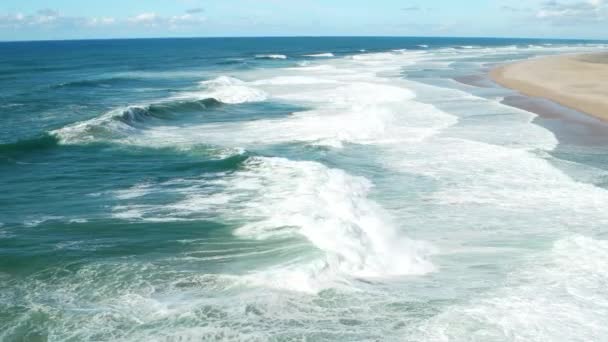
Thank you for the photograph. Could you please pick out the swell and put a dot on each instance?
(271, 56)
(135, 115)
(20, 147)
(124, 122)
(92, 83)
(120, 123)
(231, 163)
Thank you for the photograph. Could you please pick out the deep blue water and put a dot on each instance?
(318, 189)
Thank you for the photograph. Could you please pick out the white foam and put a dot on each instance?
(560, 296)
(331, 209)
(363, 113)
(474, 173)
(321, 55)
(34, 222)
(350, 104)
(291, 80)
(271, 56)
(104, 127)
(228, 90)
(373, 56)
(307, 66)
(4, 234)
(135, 191)
(279, 198)
(222, 81)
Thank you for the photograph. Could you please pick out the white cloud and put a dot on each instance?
(186, 19)
(11, 19)
(149, 18)
(43, 18)
(571, 12)
(103, 21)
(49, 19)
(563, 12)
(173, 22)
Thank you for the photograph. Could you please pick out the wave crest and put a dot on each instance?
(123, 122)
(271, 56)
(228, 90)
(321, 55)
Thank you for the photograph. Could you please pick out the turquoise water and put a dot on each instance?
(292, 189)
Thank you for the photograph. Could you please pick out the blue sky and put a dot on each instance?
(75, 19)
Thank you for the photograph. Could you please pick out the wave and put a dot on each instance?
(344, 105)
(134, 115)
(123, 122)
(332, 210)
(424, 46)
(228, 90)
(321, 55)
(271, 56)
(358, 113)
(232, 61)
(282, 199)
(29, 145)
(120, 123)
(93, 83)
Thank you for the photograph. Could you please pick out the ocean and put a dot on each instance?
(294, 189)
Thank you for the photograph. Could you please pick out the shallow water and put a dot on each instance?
(318, 189)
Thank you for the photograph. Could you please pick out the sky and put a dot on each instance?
(80, 19)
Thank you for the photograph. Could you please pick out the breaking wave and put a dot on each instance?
(321, 55)
(122, 122)
(282, 199)
(271, 56)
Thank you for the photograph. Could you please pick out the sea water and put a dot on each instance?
(291, 189)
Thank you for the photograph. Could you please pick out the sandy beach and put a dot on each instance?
(579, 82)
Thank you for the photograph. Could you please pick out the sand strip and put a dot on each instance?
(575, 81)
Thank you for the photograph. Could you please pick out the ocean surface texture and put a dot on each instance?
(293, 189)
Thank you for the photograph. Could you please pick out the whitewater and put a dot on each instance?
(313, 196)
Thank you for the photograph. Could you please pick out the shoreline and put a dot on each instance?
(577, 82)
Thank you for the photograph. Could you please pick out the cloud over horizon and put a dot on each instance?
(67, 19)
(580, 11)
(49, 19)
(564, 12)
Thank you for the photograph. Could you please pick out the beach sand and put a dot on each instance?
(579, 82)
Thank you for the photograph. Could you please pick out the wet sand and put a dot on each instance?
(570, 126)
(579, 82)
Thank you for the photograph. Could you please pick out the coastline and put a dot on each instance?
(578, 82)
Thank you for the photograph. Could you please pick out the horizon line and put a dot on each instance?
(297, 36)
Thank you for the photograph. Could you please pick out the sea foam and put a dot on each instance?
(271, 56)
(558, 296)
(321, 55)
(280, 199)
